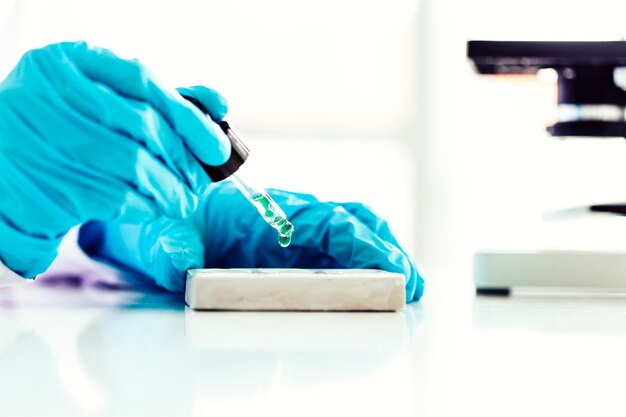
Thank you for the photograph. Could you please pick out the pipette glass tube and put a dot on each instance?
(258, 197)
(267, 208)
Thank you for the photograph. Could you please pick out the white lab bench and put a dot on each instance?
(75, 349)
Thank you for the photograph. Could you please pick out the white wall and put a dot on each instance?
(324, 66)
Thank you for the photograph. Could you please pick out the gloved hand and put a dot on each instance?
(227, 232)
(85, 135)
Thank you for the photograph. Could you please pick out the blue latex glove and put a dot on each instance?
(227, 232)
(85, 135)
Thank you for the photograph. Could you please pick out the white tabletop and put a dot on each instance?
(77, 349)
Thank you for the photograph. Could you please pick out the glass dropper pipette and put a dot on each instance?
(272, 214)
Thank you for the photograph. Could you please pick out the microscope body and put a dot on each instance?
(590, 104)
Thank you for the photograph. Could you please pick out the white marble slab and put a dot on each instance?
(295, 289)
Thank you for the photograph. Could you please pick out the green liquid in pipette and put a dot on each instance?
(274, 217)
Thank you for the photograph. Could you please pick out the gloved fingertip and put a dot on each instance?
(217, 151)
(417, 289)
(414, 284)
(176, 270)
(211, 146)
(214, 102)
(224, 147)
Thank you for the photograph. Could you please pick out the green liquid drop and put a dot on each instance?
(284, 240)
(274, 216)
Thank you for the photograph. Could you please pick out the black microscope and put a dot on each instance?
(590, 104)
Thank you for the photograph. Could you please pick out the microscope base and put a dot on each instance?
(497, 272)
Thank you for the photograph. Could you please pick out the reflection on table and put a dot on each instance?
(72, 346)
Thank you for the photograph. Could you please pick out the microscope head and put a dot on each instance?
(590, 103)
